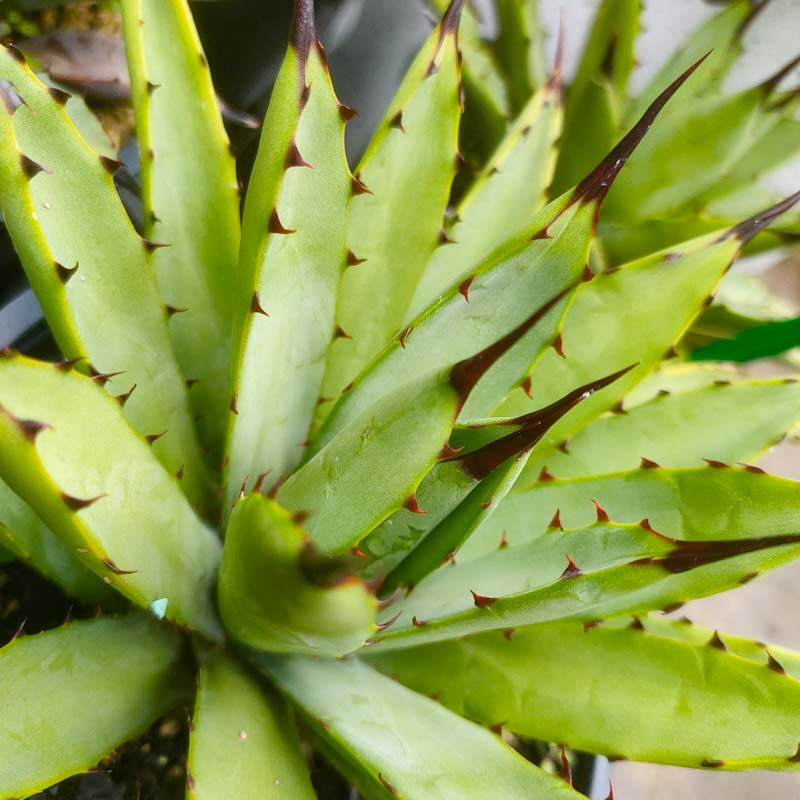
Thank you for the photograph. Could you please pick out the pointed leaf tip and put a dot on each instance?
(749, 228)
(594, 187)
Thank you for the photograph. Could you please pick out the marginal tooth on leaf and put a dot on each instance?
(382, 626)
(341, 333)
(357, 187)
(558, 345)
(151, 87)
(563, 446)
(587, 274)
(305, 93)
(153, 437)
(16, 53)
(61, 97)
(404, 336)
(749, 228)
(448, 452)
(397, 121)
(712, 763)
(717, 643)
(544, 475)
(412, 505)
(671, 353)
(751, 576)
(433, 68)
(322, 400)
(111, 165)
(555, 523)
(65, 273)
(172, 310)
(485, 504)
(771, 83)
(389, 788)
(353, 260)
(463, 287)
(66, 366)
(112, 567)
(232, 406)
(123, 398)
(503, 541)
(594, 187)
(646, 463)
(444, 238)
(347, 113)
(255, 305)
(618, 408)
(592, 623)
(645, 524)
(566, 769)
(636, 624)
(348, 387)
(458, 161)
(751, 468)
(151, 247)
(179, 474)
(482, 601)
(382, 605)
(102, 378)
(602, 516)
(30, 428)
(541, 234)
(293, 157)
(9, 95)
(572, 570)
(260, 481)
(716, 464)
(508, 634)
(418, 623)
(774, 664)
(30, 167)
(526, 386)
(668, 609)
(299, 517)
(78, 503)
(358, 552)
(275, 225)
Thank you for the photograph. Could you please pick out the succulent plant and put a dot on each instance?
(397, 457)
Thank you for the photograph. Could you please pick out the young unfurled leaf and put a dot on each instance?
(711, 699)
(112, 679)
(762, 341)
(277, 594)
(24, 534)
(391, 742)
(501, 201)
(190, 196)
(395, 220)
(242, 742)
(696, 503)
(66, 449)
(90, 269)
(599, 571)
(293, 255)
(705, 423)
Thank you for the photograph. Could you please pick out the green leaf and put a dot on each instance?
(292, 263)
(395, 226)
(72, 695)
(243, 742)
(518, 34)
(392, 742)
(190, 196)
(697, 503)
(24, 534)
(712, 701)
(703, 423)
(108, 310)
(461, 492)
(66, 449)
(675, 377)
(762, 341)
(501, 201)
(276, 594)
(596, 95)
(596, 326)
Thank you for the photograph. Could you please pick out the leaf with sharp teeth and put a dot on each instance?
(268, 599)
(396, 226)
(546, 258)
(114, 678)
(242, 736)
(73, 215)
(740, 713)
(707, 423)
(602, 570)
(295, 277)
(694, 503)
(24, 534)
(183, 129)
(596, 94)
(99, 488)
(501, 201)
(415, 748)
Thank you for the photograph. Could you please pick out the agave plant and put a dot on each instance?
(396, 459)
